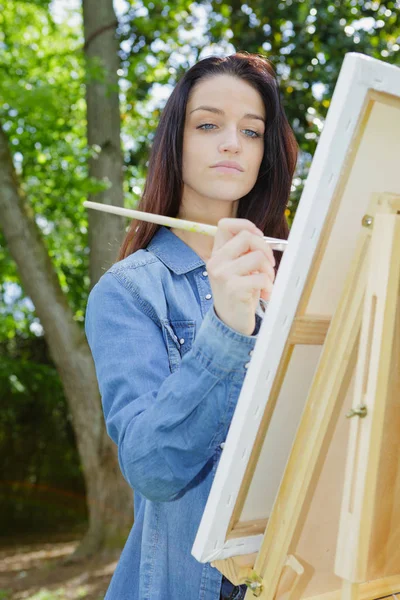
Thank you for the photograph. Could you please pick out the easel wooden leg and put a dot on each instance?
(350, 591)
(322, 401)
(237, 568)
(290, 579)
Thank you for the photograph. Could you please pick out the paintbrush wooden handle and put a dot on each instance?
(276, 244)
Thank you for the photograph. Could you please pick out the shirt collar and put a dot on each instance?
(173, 252)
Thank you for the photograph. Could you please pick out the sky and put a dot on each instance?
(64, 8)
(72, 11)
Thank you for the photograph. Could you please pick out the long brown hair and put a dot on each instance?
(266, 202)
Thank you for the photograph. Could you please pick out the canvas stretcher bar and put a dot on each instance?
(306, 294)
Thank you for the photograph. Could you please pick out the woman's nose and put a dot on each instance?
(230, 141)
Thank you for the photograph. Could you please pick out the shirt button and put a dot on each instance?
(181, 341)
(251, 352)
(205, 273)
(246, 366)
(208, 296)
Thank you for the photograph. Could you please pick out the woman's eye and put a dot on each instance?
(207, 126)
(256, 135)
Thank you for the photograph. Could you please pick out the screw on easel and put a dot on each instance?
(254, 582)
(367, 221)
(360, 411)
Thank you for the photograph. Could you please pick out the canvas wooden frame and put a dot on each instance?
(363, 86)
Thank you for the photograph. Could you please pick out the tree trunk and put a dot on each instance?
(106, 231)
(109, 497)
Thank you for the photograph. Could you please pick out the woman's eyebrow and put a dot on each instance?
(218, 111)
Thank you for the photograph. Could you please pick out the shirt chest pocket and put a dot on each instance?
(179, 337)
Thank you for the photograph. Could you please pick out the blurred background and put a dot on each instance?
(82, 85)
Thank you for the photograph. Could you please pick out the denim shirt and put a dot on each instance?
(169, 373)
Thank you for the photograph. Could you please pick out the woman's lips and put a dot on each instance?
(227, 169)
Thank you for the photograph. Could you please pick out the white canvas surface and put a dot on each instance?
(376, 169)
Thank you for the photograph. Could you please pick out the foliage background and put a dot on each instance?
(42, 109)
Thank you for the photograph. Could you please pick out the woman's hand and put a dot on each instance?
(240, 270)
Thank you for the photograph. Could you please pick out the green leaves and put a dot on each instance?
(307, 41)
(43, 111)
(42, 92)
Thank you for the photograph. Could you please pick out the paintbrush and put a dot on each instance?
(276, 244)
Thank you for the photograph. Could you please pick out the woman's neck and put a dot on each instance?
(200, 243)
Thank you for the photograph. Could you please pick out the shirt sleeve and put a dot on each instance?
(260, 312)
(166, 425)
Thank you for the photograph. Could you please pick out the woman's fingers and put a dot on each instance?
(251, 262)
(243, 242)
(259, 282)
(229, 228)
(241, 269)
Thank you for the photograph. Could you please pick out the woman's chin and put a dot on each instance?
(226, 194)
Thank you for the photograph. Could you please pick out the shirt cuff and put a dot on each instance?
(258, 324)
(260, 311)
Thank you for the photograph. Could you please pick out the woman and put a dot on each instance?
(172, 325)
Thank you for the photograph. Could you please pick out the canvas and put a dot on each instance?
(358, 155)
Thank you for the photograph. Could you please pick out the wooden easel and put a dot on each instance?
(364, 335)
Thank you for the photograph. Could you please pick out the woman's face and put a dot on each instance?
(225, 121)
